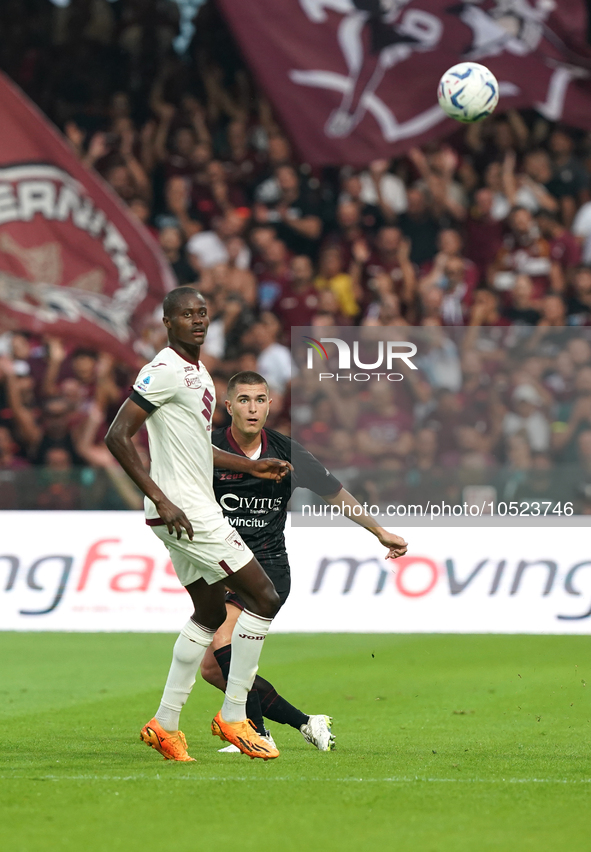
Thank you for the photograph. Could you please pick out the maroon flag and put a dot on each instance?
(355, 80)
(72, 260)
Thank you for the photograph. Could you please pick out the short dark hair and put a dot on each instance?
(81, 352)
(173, 299)
(246, 377)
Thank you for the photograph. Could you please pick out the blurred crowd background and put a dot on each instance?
(492, 415)
(490, 229)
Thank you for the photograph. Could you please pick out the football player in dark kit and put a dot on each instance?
(257, 508)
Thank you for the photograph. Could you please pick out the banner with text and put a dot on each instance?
(354, 80)
(73, 262)
(107, 571)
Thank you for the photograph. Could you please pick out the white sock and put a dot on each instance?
(189, 650)
(247, 644)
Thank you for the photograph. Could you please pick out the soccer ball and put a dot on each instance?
(468, 92)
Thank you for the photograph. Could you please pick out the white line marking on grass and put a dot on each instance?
(218, 778)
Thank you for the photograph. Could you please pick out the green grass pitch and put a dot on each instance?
(444, 743)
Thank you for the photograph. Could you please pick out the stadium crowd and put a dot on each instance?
(488, 231)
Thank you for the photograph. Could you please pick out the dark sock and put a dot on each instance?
(254, 712)
(276, 708)
(253, 703)
(222, 655)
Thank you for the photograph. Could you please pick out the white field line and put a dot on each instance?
(219, 778)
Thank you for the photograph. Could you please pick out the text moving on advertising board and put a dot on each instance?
(106, 571)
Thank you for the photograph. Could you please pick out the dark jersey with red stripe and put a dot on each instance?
(257, 508)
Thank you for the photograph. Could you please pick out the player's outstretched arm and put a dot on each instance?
(261, 468)
(396, 545)
(118, 439)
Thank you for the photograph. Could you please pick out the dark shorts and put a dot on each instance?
(280, 577)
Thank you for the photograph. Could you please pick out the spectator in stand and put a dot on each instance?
(420, 226)
(454, 274)
(559, 380)
(123, 171)
(12, 480)
(570, 181)
(241, 162)
(484, 233)
(528, 418)
(328, 312)
(216, 197)
(387, 311)
(518, 464)
(172, 244)
(450, 245)
(381, 190)
(179, 210)
(183, 150)
(268, 191)
(274, 359)
(9, 460)
(368, 215)
(565, 249)
(273, 271)
(578, 306)
(492, 140)
(486, 309)
(574, 417)
(391, 257)
(553, 311)
(437, 169)
(524, 252)
(332, 276)
(231, 318)
(456, 281)
(521, 309)
(295, 214)
(209, 248)
(579, 349)
(58, 484)
(142, 211)
(225, 279)
(430, 308)
(529, 189)
(298, 302)
(581, 228)
(384, 429)
(350, 230)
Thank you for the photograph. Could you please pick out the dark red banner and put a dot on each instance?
(355, 80)
(73, 263)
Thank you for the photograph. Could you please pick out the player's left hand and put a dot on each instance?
(396, 545)
(270, 469)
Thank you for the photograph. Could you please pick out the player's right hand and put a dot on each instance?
(396, 545)
(174, 518)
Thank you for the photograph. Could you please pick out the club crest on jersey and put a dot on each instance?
(193, 382)
(235, 541)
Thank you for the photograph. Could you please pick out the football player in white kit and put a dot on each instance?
(175, 396)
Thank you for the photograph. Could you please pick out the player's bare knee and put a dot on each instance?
(268, 603)
(211, 619)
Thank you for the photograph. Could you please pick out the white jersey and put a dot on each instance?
(180, 397)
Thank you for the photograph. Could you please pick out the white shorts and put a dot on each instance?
(212, 555)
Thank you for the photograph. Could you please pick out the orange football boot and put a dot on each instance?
(245, 737)
(172, 746)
